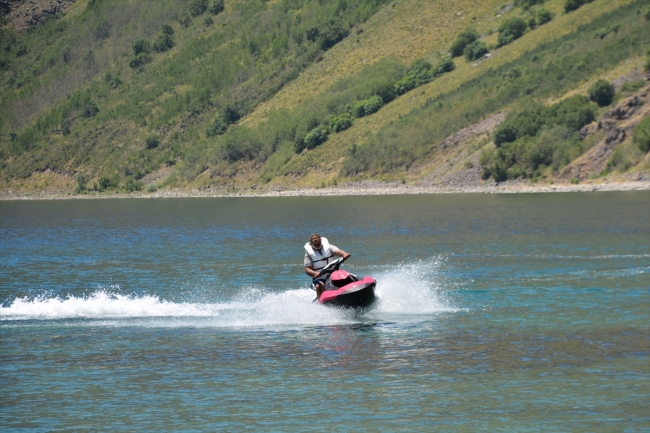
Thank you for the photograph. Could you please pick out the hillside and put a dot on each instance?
(125, 96)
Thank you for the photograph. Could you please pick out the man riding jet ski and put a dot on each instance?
(335, 287)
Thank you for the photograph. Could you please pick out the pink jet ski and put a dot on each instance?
(346, 290)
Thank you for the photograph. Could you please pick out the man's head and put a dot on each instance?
(314, 241)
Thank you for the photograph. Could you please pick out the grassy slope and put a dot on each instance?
(406, 31)
(324, 162)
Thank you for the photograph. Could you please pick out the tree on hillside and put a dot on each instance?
(510, 30)
(217, 7)
(475, 50)
(572, 5)
(602, 92)
(464, 39)
(544, 16)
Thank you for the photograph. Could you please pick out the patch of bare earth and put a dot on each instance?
(461, 167)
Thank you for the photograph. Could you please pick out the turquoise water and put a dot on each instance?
(497, 313)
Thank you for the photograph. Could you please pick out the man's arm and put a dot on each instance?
(312, 273)
(343, 254)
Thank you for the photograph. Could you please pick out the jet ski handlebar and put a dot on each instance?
(331, 267)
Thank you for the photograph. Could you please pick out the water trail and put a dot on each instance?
(410, 289)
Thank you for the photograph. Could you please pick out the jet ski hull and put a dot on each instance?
(359, 294)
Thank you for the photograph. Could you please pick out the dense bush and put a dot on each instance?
(138, 62)
(475, 50)
(641, 135)
(574, 113)
(241, 143)
(544, 16)
(341, 122)
(372, 105)
(90, 109)
(141, 46)
(602, 92)
(464, 39)
(108, 182)
(532, 139)
(218, 127)
(528, 3)
(316, 137)
(328, 33)
(510, 30)
(152, 142)
(216, 7)
(133, 185)
(164, 42)
(571, 5)
(198, 7)
(422, 72)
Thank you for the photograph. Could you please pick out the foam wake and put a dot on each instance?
(405, 290)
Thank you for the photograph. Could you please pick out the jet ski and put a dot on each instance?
(346, 290)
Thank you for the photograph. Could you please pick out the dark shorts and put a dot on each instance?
(319, 280)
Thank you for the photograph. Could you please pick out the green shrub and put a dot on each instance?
(464, 39)
(422, 72)
(571, 5)
(641, 134)
(133, 185)
(372, 104)
(138, 62)
(446, 64)
(241, 144)
(528, 3)
(602, 92)
(316, 137)
(531, 140)
(82, 181)
(164, 42)
(574, 113)
(198, 7)
(386, 92)
(185, 20)
(356, 109)
(218, 127)
(167, 29)
(510, 30)
(21, 51)
(405, 84)
(108, 182)
(328, 33)
(299, 143)
(475, 50)
(341, 122)
(152, 141)
(141, 46)
(90, 109)
(544, 16)
(65, 127)
(216, 7)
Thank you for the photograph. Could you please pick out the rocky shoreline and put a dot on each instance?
(641, 183)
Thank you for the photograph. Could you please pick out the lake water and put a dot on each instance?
(497, 313)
